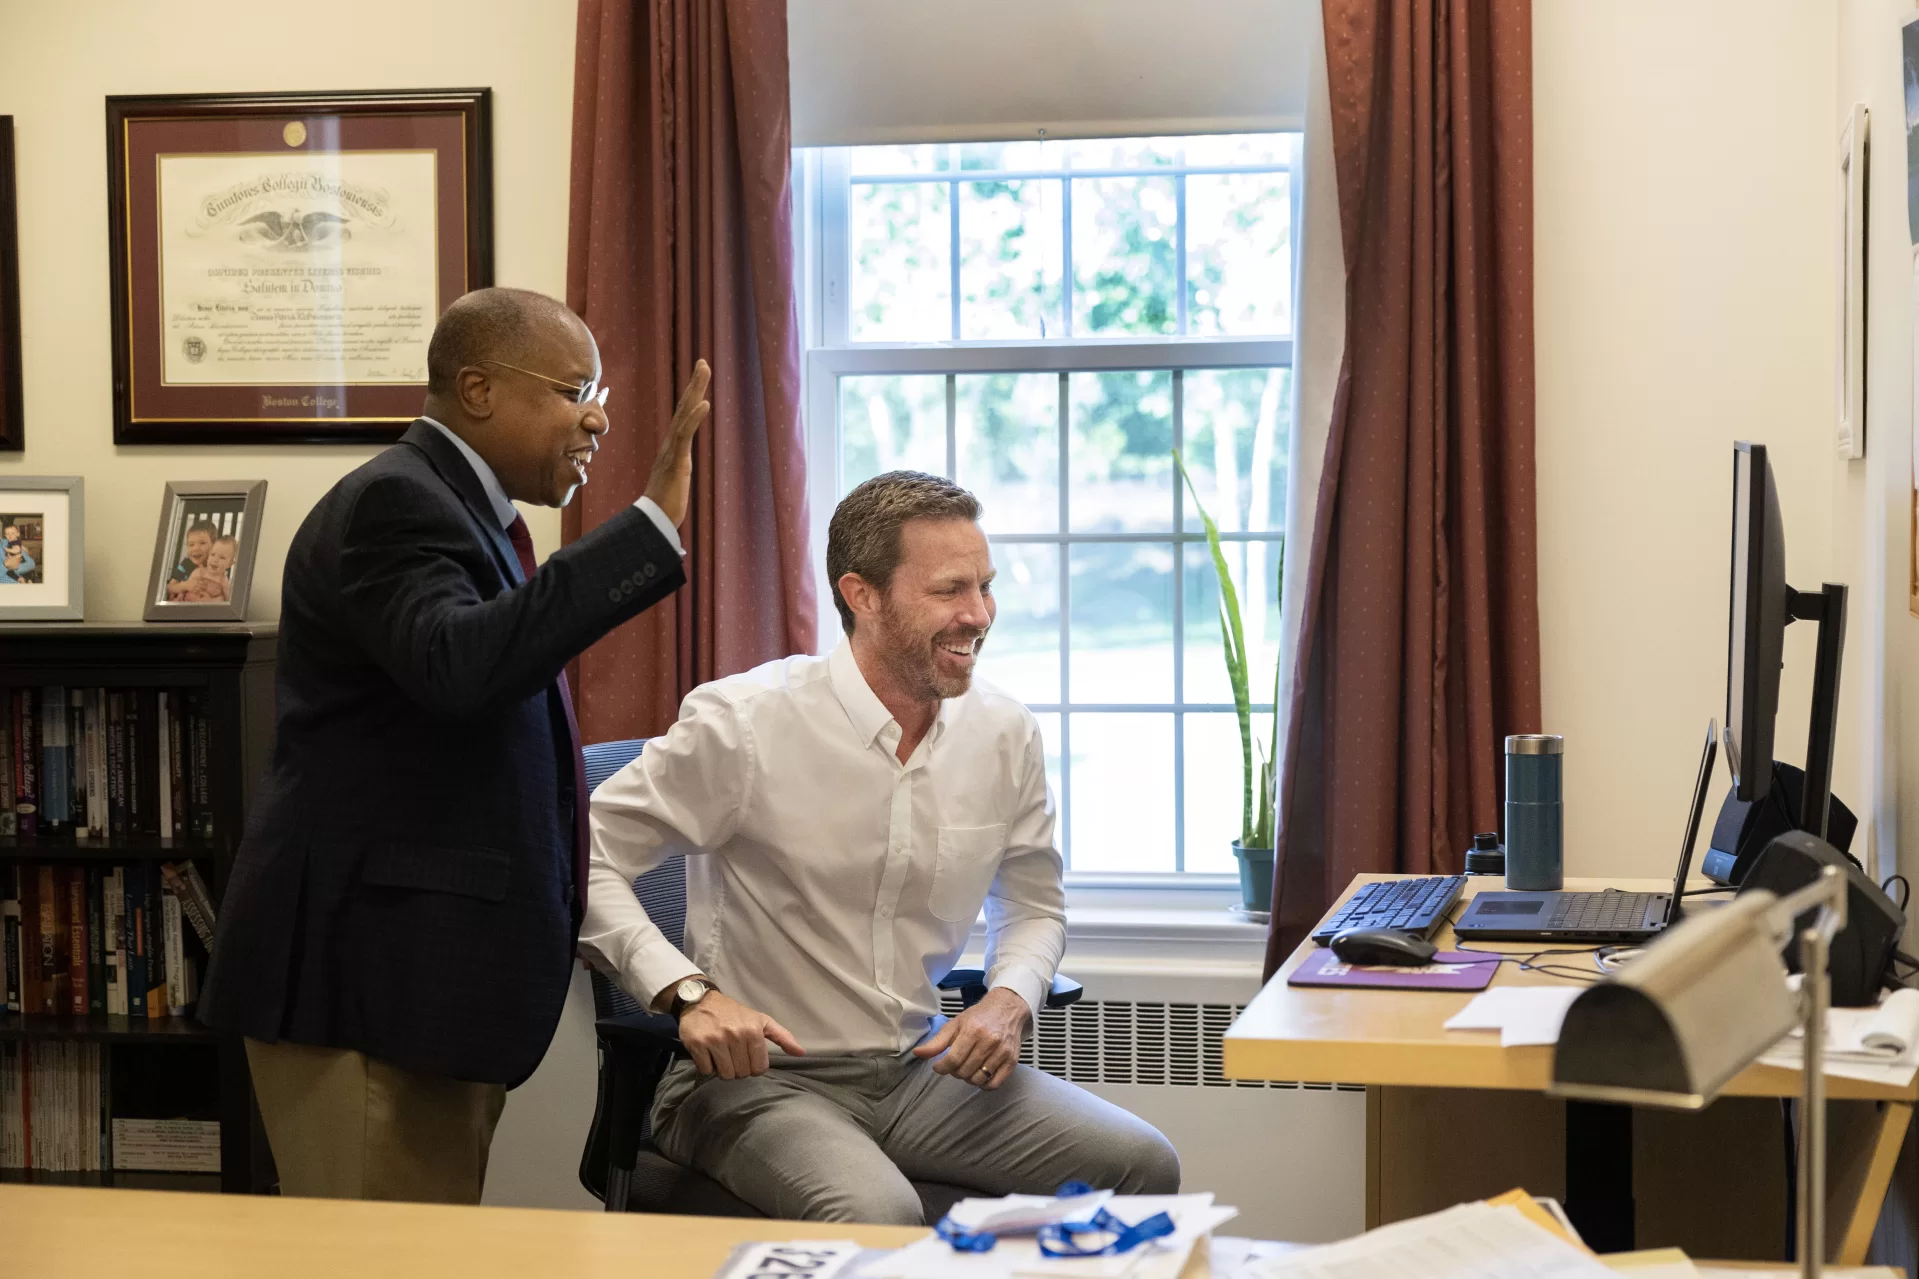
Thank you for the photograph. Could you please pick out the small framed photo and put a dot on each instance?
(203, 553)
(42, 548)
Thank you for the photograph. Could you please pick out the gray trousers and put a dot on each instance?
(842, 1138)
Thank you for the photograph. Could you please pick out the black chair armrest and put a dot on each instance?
(971, 984)
(636, 1049)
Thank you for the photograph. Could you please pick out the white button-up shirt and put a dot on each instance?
(838, 884)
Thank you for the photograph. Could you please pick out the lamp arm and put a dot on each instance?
(1826, 895)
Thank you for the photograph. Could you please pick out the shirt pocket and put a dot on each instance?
(968, 859)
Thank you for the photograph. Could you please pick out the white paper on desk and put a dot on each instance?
(1471, 1241)
(1521, 1014)
(1886, 1033)
(933, 1258)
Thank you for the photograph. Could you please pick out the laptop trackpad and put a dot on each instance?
(1508, 906)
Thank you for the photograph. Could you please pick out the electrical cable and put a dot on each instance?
(1905, 886)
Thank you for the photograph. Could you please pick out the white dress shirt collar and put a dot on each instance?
(868, 713)
(503, 508)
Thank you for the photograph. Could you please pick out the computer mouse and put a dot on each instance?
(1383, 948)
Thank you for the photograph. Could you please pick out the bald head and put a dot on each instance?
(493, 324)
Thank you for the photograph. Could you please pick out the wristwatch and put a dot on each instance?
(690, 991)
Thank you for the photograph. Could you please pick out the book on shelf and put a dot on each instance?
(128, 940)
(100, 762)
(55, 1106)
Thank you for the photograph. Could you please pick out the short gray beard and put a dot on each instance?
(910, 661)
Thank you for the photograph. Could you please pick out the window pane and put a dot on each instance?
(931, 157)
(1008, 443)
(1122, 153)
(1123, 251)
(891, 424)
(1010, 256)
(1122, 602)
(1205, 656)
(1239, 264)
(901, 241)
(1123, 792)
(1122, 465)
(1022, 650)
(1209, 150)
(1237, 426)
(1214, 788)
(1012, 155)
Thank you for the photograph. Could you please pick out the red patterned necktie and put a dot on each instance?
(523, 547)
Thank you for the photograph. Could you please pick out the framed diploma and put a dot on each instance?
(279, 260)
(13, 436)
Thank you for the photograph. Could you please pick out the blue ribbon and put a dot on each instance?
(1060, 1238)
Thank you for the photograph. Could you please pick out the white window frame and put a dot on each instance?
(822, 261)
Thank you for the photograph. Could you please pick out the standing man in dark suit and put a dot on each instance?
(397, 935)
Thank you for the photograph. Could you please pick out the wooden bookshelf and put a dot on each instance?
(232, 664)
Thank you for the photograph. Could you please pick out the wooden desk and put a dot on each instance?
(47, 1230)
(1442, 1100)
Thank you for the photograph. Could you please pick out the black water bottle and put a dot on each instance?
(1486, 856)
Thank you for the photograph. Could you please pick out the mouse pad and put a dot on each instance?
(1450, 970)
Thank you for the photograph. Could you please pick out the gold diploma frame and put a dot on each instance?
(279, 260)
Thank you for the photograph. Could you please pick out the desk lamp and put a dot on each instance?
(1699, 1006)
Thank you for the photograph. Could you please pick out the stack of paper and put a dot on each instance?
(1194, 1217)
(1521, 1014)
(1471, 1241)
(1878, 1045)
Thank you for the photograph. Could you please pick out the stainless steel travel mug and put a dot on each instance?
(1534, 856)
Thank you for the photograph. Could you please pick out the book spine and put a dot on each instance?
(163, 769)
(96, 765)
(197, 891)
(52, 724)
(96, 940)
(143, 762)
(8, 822)
(135, 972)
(28, 882)
(114, 891)
(154, 927)
(77, 994)
(201, 751)
(76, 761)
(116, 763)
(177, 886)
(176, 950)
(52, 971)
(176, 765)
(10, 934)
(26, 764)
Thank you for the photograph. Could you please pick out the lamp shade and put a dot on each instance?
(1671, 1029)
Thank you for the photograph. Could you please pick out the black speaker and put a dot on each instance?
(1744, 830)
(1862, 951)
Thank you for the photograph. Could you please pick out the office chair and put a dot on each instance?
(621, 1166)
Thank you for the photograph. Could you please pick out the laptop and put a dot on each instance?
(1605, 917)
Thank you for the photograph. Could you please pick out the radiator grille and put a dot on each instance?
(1114, 1041)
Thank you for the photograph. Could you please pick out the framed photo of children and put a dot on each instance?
(203, 554)
(42, 565)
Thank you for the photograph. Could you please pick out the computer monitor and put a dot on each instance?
(1760, 611)
(1762, 606)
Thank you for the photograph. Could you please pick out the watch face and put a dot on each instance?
(691, 990)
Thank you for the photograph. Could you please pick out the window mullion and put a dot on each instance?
(1066, 258)
(1179, 248)
(952, 219)
(952, 426)
(1065, 628)
(1179, 592)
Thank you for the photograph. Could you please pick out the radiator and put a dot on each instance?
(1289, 1155)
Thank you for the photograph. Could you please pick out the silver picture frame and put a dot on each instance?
(204, 551)
(53, 507)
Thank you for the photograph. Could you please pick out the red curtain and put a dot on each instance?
(1419, 640)
(680, 247)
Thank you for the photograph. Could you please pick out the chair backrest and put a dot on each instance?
(662, 890)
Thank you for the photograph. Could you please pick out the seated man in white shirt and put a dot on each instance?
(847, 817)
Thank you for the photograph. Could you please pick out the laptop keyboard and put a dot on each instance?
(1602, 912)
(1414, 906)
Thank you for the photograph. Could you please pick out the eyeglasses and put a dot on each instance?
(587, 392)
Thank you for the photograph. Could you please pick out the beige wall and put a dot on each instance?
(58, 62)
(1684, 219)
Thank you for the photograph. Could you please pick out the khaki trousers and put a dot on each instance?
(346, 1126)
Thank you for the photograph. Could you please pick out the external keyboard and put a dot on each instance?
(1416, 906)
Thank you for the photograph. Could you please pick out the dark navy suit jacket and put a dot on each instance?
(404, 884)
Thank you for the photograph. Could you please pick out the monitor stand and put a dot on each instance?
(1827, 607)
